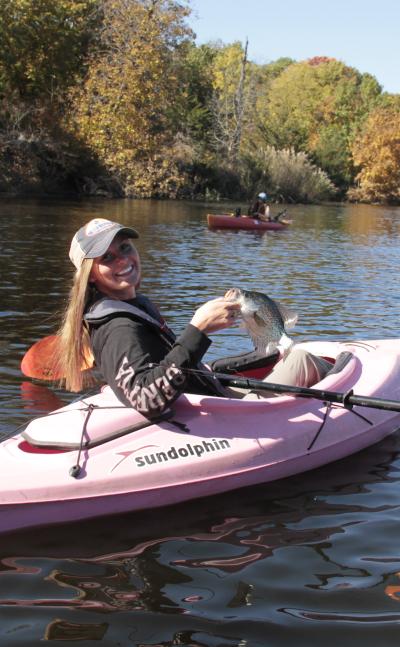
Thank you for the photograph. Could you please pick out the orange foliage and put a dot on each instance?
(377, 154)
(317, 60)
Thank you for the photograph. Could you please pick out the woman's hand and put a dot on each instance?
(216, 314)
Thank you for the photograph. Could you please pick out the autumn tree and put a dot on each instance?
(43, 44)
(123, 109)
(231, 101)
(263, 77)
(376, 153)
(317, 106)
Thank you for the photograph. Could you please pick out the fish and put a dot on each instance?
(266, 320)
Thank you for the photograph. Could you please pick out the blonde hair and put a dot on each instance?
(74, 353)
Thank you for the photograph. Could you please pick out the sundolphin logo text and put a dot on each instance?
(199, 449)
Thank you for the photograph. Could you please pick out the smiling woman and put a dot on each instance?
(108, 321)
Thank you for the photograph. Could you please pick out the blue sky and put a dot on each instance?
(364, 34)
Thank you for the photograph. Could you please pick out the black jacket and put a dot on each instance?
(142, 360)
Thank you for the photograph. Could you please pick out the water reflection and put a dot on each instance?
(37, 398)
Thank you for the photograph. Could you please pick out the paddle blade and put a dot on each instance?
(39, 361)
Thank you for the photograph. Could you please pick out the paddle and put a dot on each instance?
(39, 360)
(347, 399)
(278, 215)
(38, 363)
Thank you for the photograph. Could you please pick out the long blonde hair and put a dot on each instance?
(74, 352)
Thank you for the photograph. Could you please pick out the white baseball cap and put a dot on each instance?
(94, 238)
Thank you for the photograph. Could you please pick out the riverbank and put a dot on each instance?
(49, 168)
(32, 167)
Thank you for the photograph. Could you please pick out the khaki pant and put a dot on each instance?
(299, 368)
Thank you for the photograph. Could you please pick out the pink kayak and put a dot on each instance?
(224, 221)
(208, 445)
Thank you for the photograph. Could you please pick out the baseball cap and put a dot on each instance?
(94, 238)
(263, 196)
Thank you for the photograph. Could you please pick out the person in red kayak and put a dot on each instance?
(109, 321)
(260, 208)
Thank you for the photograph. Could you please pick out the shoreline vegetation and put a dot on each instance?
(113, 98)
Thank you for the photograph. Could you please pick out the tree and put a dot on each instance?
(192, 107)
(231, 101)
(317, 106)
(377, 154)
(122, 111)
(264, 76)
(43, 44)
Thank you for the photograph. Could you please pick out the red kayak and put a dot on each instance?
(225, 221)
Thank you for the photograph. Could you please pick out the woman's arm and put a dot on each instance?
(140, 367)
(145, 369)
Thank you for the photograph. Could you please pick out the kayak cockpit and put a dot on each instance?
(100, 419)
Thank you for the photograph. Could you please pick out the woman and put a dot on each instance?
(137, 354)
(140, 358)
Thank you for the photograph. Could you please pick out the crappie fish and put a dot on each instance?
(266, 320)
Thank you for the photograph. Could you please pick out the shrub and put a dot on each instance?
(292, 177)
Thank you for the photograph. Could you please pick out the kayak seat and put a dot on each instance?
(250, 364)
(41, 439)
(257, 366)
(340, 362)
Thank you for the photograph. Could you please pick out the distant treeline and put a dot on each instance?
(113, 97)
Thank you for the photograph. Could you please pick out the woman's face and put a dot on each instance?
(117, 272)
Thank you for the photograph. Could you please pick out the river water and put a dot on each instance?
(312, 559)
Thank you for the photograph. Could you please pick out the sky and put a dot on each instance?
(364, 34)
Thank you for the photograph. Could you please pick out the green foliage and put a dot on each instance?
(192, 106)
(122, 111)
(331, 152)
(43, 44)
(263, 76)
(272, 70)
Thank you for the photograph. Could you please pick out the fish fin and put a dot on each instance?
(260, 347)
(289, 316)
(258, 320)
(270, 348)
(255, 325)
(285, 345)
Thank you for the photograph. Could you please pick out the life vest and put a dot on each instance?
(104, 309)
